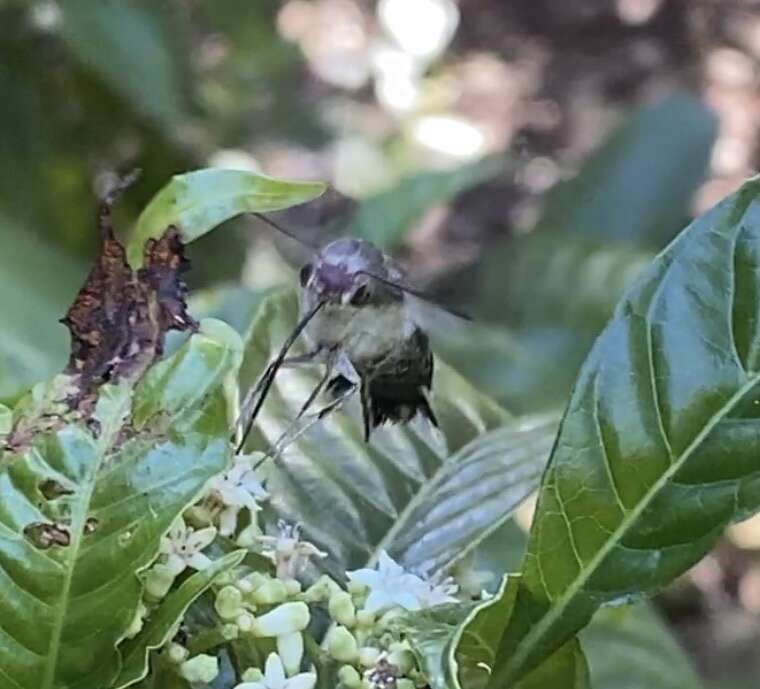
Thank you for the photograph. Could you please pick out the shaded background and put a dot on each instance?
(525, 159)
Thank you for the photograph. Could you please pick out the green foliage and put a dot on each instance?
(154, 79)
(637, 188)
(384, 219)
(162, 623)
(556, 287)
(196, 202)
(628, 647)
(85, 504)
(644, 433)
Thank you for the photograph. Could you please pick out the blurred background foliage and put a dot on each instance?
(525, 159)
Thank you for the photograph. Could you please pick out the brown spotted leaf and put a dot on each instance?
(120, 317)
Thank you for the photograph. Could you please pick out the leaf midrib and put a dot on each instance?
(546, 622)
(77, 532)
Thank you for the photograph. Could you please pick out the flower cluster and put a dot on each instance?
(272, 610)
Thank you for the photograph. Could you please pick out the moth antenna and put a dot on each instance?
(419, 294)
(282, 230)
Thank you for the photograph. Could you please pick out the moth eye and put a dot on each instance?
(360, 296)
(304, 274)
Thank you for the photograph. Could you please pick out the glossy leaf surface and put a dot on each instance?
(656, 453)
(85, 504)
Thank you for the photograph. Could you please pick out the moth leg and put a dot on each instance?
(329, 367)
(296, 430)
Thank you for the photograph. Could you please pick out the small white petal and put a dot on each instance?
(198, 561)
(368, 577)
(306, 680)
(274, 672)
(250, 685)
(377, 600)
(407, 600)
(198, 540)
(228, 521)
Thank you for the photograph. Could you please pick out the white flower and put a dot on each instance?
(274, 677)
(436, 591)
(182, 547)
(287, 551)
(390, 585)
(235, 489)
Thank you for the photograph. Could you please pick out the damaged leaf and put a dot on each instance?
(70, 588)
(120, 317)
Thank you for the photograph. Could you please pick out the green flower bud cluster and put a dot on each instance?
(365, 643)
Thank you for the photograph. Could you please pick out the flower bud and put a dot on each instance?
(341, 644)
(284, 619)
(201, 668)
(244, 622)
(158, 581)
(368, 656)
(341, 608)
(229, 603)
(321, 590)
(252, 581)
(349, 677)
(389, 617)
(177, 654)
(293, 587)
(249, 535)
(356, 588)
(365, 618)
(230, 631)
(135, 627)
(401, 657)
(271, 592)
(252, 674)
(290, 650)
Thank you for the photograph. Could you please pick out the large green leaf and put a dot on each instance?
(385, 218)
(418, 495)
(163, 621)
(135, 48)
(85, 504)
(628, 647)
(198, 201)
(657, 450)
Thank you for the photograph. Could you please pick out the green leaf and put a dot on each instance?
(135, 49)
(639, 185)
(456, 646)
(162, 621)
(656, 453)
(198, 201)
(399, 492)
(628, 647)
(385, 218)
(85, 504)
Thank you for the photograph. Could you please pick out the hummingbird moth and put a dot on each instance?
(358, 322)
